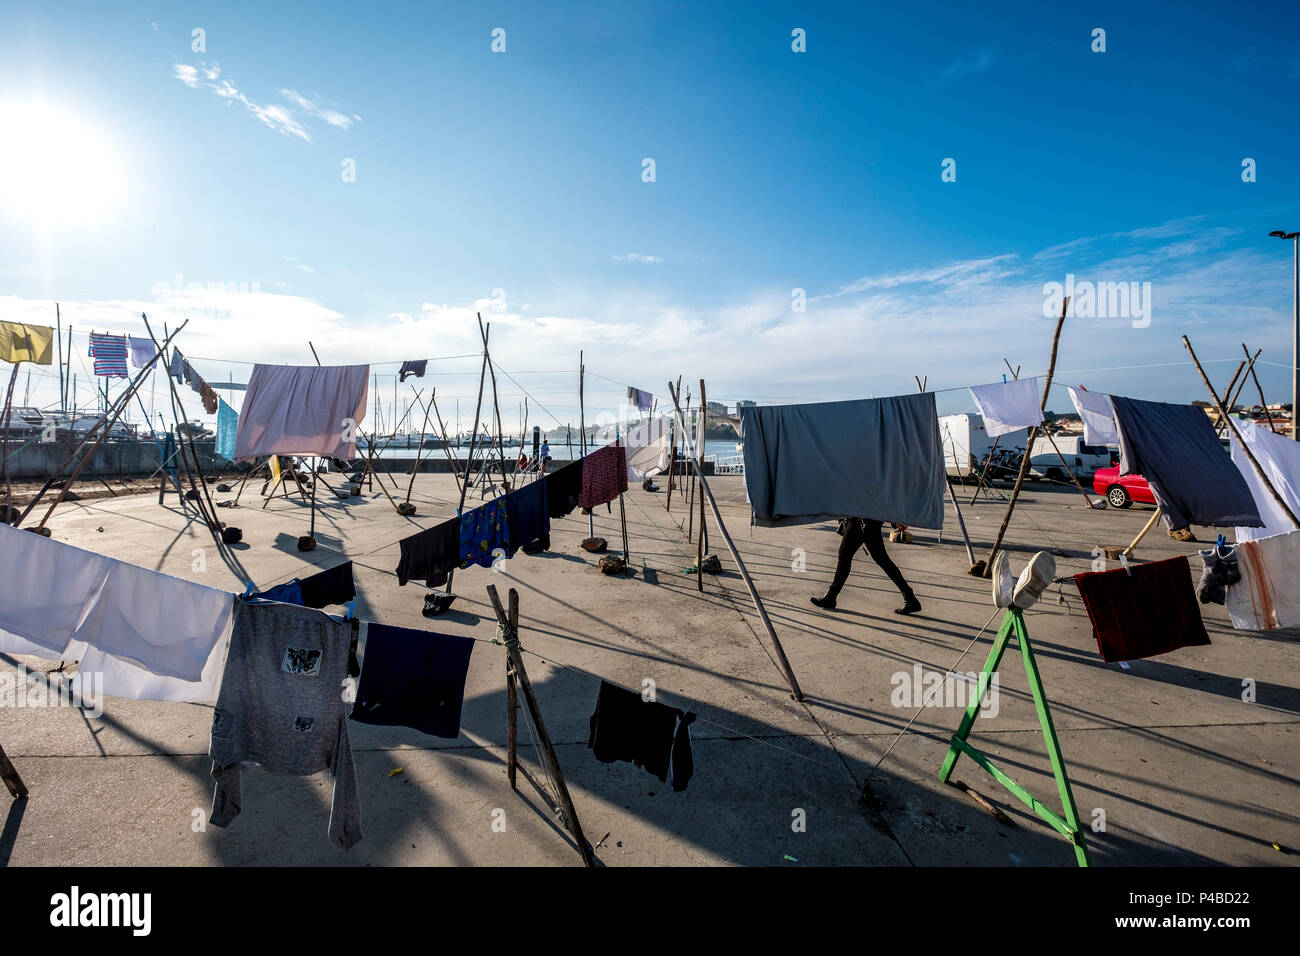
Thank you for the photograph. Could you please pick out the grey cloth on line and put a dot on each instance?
(281, 708)
(876, 458)
(1175, 449)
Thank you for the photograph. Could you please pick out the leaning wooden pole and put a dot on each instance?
(986, 570)
(9, 774)
(419, 452)
(510, 637)
(1223, 414)
(1263, 404)
(501, 451)
(782, 661)
(473, 436)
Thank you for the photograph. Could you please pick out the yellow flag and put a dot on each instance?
(26, 343)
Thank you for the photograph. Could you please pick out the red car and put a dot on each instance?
(1121, 492)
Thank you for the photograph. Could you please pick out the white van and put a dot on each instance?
(1084, 460)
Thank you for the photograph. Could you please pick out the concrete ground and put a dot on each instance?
(1166, 758)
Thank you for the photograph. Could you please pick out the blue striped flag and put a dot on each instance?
(110, 354)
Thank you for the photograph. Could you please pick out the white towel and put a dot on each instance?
(1279, 456)
(1098, 417)
(52, 594)
(142, 351)
(1266, 596)
(1009, 406)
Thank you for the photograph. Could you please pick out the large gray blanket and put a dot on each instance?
(873, 458)
(1175, 449)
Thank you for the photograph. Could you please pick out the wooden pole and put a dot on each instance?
(1155, 516)
(582, 433)
(501, 451)
(14, 783)
(442, 430)
(510, 634)
(473, 436)
(419, 452)
(1070, 471)
(7, 418)
(782, 662)
(1263, 404)
(987, 569)
(512, 701)
(961, 522)
(1259, 470)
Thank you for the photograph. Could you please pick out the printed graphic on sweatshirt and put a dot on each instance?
(221, 724)
(303, 725)
(301, 661)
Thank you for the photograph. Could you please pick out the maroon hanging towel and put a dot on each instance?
(1143, 611)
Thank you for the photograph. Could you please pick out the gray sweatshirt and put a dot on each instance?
(281, 709)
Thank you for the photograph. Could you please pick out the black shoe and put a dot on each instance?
(910, 606)
(826, 603)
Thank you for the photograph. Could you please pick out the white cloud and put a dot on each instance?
(638, 257)
(974, 62)
(953, 322)
(283, 119)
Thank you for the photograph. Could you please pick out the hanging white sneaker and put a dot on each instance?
(1034, 579)
(1003, 582)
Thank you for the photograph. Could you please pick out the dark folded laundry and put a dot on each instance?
(564, 488)
(430, 554)
(331, 586)
(1219, 570)
(625, 727)
(527, 517)
(604, 476)
(413, 679)
(415, 368)
(1176, 449)
(1142, 611)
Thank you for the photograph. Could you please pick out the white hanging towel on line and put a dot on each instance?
(1266, 596)
(1098, 417)
(53, 596)
(1009, 406)
(120, 678)
(647, 450)
(142, 351)
(1279, 456)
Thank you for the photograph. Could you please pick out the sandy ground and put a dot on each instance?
(1169, 765)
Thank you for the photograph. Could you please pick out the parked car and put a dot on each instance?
(1119, 491)
(1084, 460)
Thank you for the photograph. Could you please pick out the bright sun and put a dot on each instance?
(55, 171)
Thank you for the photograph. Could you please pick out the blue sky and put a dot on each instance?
(511, 183)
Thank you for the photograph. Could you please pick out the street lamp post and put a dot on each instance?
(1295, 324)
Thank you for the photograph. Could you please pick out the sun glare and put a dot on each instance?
(55, 171)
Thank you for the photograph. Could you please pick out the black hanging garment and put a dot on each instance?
(430, 554)
(651, 735)
(563, 488)
(331, 586)
(415, 367)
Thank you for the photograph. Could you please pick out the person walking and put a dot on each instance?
(545, 454)
(855, 532)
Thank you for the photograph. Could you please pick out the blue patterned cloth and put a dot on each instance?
(482, 531)
(227, 425)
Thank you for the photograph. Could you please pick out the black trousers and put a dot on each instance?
(857, 532)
